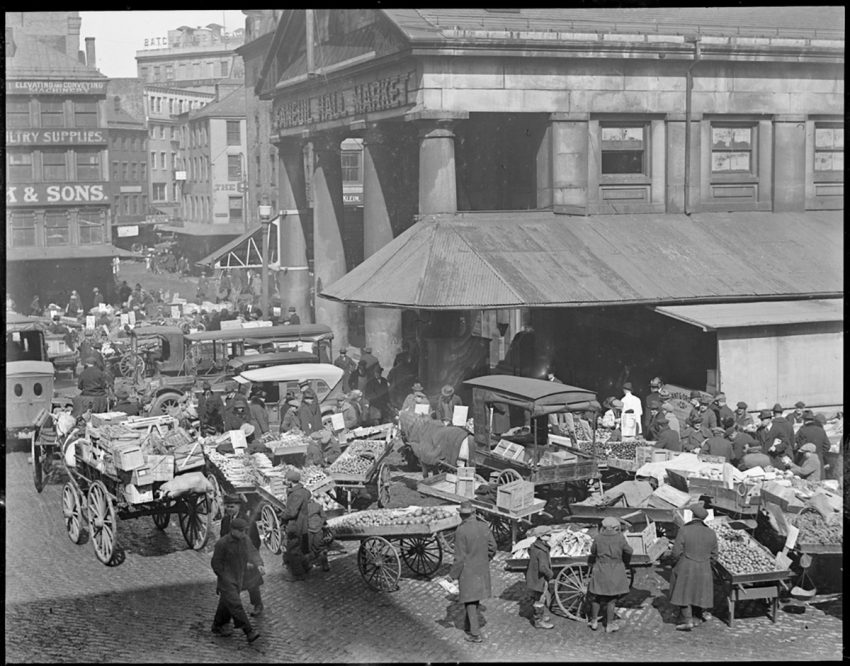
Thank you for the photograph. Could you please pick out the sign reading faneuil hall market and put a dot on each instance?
(370, 96)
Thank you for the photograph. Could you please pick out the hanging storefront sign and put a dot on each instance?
(63, 137)
(367, 97)
(128, 231)
(56, 87)
(61, 193)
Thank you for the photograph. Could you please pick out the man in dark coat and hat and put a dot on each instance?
(231, 558)
(309, 412)
(210, 410)
(346, 364)
(812, 431)
(235, 508)
(725, 416)
(538, 575)
(718, 445)
(763, 428)
(796, 416)
(692, 582)
(474, 548)
(667, 438)
(780, 437)
(742, 417)
(295, 520)
(610, 554)
(447, 403)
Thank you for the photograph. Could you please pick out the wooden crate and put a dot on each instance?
(515, 495)
(138, 494)
(465, 472)
(643, 454)
(465, 488)
(141, 476)
(511, 451)
(127, 457)
(641, 540)
(161, 466)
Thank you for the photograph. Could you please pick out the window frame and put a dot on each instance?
(30, 225)
(643, 176)
(19, 117)
(230, 208)
(45, 166)
(156, 197)
(230, 168)
(734, 175)
(88, 172)
(87, 227)
(356, 154)
(87, 117)
(44, 112)
(234, 138)
(826, 175)
(12, 174)
(58, 219)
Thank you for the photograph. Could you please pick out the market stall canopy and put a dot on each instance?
(67, 252)
(712, 316)
(204, 229)
(284, 332)
(245, 251)
(537, 396)
(491, 260)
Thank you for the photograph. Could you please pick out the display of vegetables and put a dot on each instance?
(351, 465)
(289, 439)
(563, 543)
(815, 530)
(375, 447)
(360, 521)
(738, 553)
(236, 468)
(588, 447)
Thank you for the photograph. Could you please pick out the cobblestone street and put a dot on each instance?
(63, 605)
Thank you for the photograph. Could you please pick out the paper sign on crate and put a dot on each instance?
(791, 539)
(425, 410)
(337, 421)
(90, 322)
(459, 415)
(238, 440)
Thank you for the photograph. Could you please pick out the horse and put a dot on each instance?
(430, 442)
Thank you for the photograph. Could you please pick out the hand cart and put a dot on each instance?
(572, 575)
(663, 518)
(96, 495)
(376, 473)
(503, 523)
(383, 548)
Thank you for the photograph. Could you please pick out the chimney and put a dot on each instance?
(72, 41)
(117, 101)
(90, 59)
(216, 92)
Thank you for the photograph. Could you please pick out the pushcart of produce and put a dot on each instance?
(664, 518)
(99, 492)
(572, 575)
(360, 465)
(748, 571)
(389, 537)
(531, 454)
(504, 523)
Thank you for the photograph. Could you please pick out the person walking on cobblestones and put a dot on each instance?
(296, 524)
(235, 508)
(229, 561)
(474, 548)
(692, 583)
(610, 554)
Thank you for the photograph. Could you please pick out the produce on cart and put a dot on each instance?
(361, 464)
(414, 530)
(661, 505)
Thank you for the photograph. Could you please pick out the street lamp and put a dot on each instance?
(265, 211)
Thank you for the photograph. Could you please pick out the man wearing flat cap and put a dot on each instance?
(295, 523)
(231, 558)
(718, 445)
(447, 403)
(742, 417)
(812, 432)
(346, 364)
(809, 467)
(692, 581)
(632, 420)
(741, 443)
(309, 412)
(654, 395)
(796, 416)
(667, 439)
(474, 548)
(780, 437)
(706, 416)
(725, 416)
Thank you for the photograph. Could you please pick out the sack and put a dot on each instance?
(193, 482)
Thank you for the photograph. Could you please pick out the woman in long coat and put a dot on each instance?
(474, 548)
(692, 584)
(609, 554)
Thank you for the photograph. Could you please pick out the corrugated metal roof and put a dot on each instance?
(35, 58)
(763, 21)
(537, 258)
(711, 316)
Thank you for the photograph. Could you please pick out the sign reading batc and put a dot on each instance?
(58, 194)
(51, 87)
(370, 96)
(65, 137)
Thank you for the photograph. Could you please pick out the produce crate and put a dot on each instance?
(732, 500)
(622, 464)
(821, 548)
(643, 455)
(511, 451)
(704, 457)
(395, 530)
(764, 577)
(107, 418)
(585, 467)
(138, 494)
(465, 472)
(641, 541)
(465, 488)
(443, 485)
(515, 495)
(141, 476)
(161, 466)
(127, 457)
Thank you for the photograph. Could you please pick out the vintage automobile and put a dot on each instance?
(230, 342)
(324, 378)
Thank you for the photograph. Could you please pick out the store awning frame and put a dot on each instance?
(715, 316)
(246, 251)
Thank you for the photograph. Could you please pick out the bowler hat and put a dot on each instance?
(699, 512)
(808, 415)
(741, 405)
(777, 408)
(799, 404)
(627, 386)
(465, 508)
(447, 391)
(765, 414)
(662, 420)
(238, 524)
(418, 387)
(809, 447)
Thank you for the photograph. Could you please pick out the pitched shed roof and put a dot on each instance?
(229, 106)
(536, 258)
(712, 316)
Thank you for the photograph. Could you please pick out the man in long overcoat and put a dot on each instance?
(295, 520)
(692, 583)
(474, 548)
(230, 560)
(235, 508)
(812, 431)
(309, 412)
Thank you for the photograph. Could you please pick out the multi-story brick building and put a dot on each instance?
(57, 195)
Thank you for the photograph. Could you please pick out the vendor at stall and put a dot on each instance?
(763, 428)
(666, 439)
(348, 407)
(724, 415)
(780, 437)
(610, 554)
(652, 428)
(290, 421)
(692, 435)
(417, 397)
(210, 411)
(707, 417)
(809, 467)
(315, 450)
(258, 415)
(296, 527)
(754, 457)
(741, 442)
(718, 445)
(447, 403)
(672, 420)
(812, 431)
(94, 388)
(692, 582)
(742, 417)
(124, 404)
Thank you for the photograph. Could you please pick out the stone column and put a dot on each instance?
(437, 178)
(294, 278)
(381, 191)
(328, 252)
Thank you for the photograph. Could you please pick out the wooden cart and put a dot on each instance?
(572, 575)
(384, 548)
(377, 474)
(503, 523)
(665, 519)
(95, 497)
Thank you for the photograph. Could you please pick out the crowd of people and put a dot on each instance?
(712, 427)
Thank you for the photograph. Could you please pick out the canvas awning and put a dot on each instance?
(246, 250)
(492, 260)
(537, 396)
(713, 316)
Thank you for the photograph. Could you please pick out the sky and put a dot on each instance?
(118, 35)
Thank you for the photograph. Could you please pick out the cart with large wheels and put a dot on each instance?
(363, 464)
(410, 539)
(572, 575)
(96, 495)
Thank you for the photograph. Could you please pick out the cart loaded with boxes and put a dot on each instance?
(572, 563)
(129, 467)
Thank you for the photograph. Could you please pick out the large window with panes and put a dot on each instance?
(88, 165)
(53, 165)
(234, 167)
(57, 228)
(234, 135)
(159, 193)
(17, 112)
(350, 160)
(733, 149)
(52, 113)
(23, 229)
(829, 149)
(234, 206)
(85, 113)
(624, 150)
(19, 166)
(91, 225)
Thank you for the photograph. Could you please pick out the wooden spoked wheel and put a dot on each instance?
(195, 520)
(379, 564)
(216, 499)
(571, 591)
(161, 519)
(384, 486)
(72, 512)
(508, 475)
(38, 463)
(131, 365)
(102, 521)
(501, 529)
(269, 527)
(422, 555)
(447, 541)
